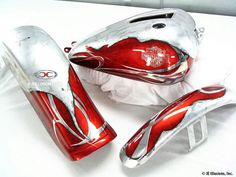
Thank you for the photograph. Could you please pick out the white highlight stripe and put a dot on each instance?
(61, 121)
(93, 132)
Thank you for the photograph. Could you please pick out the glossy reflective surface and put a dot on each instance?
(163, 126)
(156, 47)
(55, 92)
(152, 61)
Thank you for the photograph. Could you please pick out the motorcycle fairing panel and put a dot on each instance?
(54, 90)
(184, 112)
(156, 47)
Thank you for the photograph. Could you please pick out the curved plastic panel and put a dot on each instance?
(53, 88)
(156, 47)
(163, 126)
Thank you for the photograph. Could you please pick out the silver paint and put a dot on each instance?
(179, 31)
(62, 122)
(194, 113)
(28, 50)
(193, 142)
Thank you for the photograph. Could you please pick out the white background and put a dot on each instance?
(26, 150)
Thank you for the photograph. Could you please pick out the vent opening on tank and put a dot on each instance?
(169, 15)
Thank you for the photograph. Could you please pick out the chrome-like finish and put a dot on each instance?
(200, 31)
(26, 64)
(34, 53)
(62, 122)
(155, 47)
(2, 64)
(194, 114)
(173, 26)
(193, 142)
(38, 65)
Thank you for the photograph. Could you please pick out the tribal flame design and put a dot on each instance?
(150, 61)
(159, 129)
(55, 92)
(77, 134)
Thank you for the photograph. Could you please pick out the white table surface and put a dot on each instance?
(26, 150)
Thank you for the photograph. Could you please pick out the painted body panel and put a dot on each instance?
(54, 90)
(156, 47)
(167, 123)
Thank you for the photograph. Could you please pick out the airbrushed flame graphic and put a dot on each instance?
(143, 61)
(82, 127)
(82, 137)
(136, 48)
(97, 61)
(59, 119)
(55, 91)
(164, 125)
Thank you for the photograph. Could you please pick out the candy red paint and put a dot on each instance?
(63, 138)
(150, 61)
(170, 117)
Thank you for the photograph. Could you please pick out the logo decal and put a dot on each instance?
(45, 74)
(155, 56)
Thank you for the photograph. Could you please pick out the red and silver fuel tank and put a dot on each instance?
(156, 47)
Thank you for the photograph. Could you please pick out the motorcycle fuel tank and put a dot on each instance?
(156, 47)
